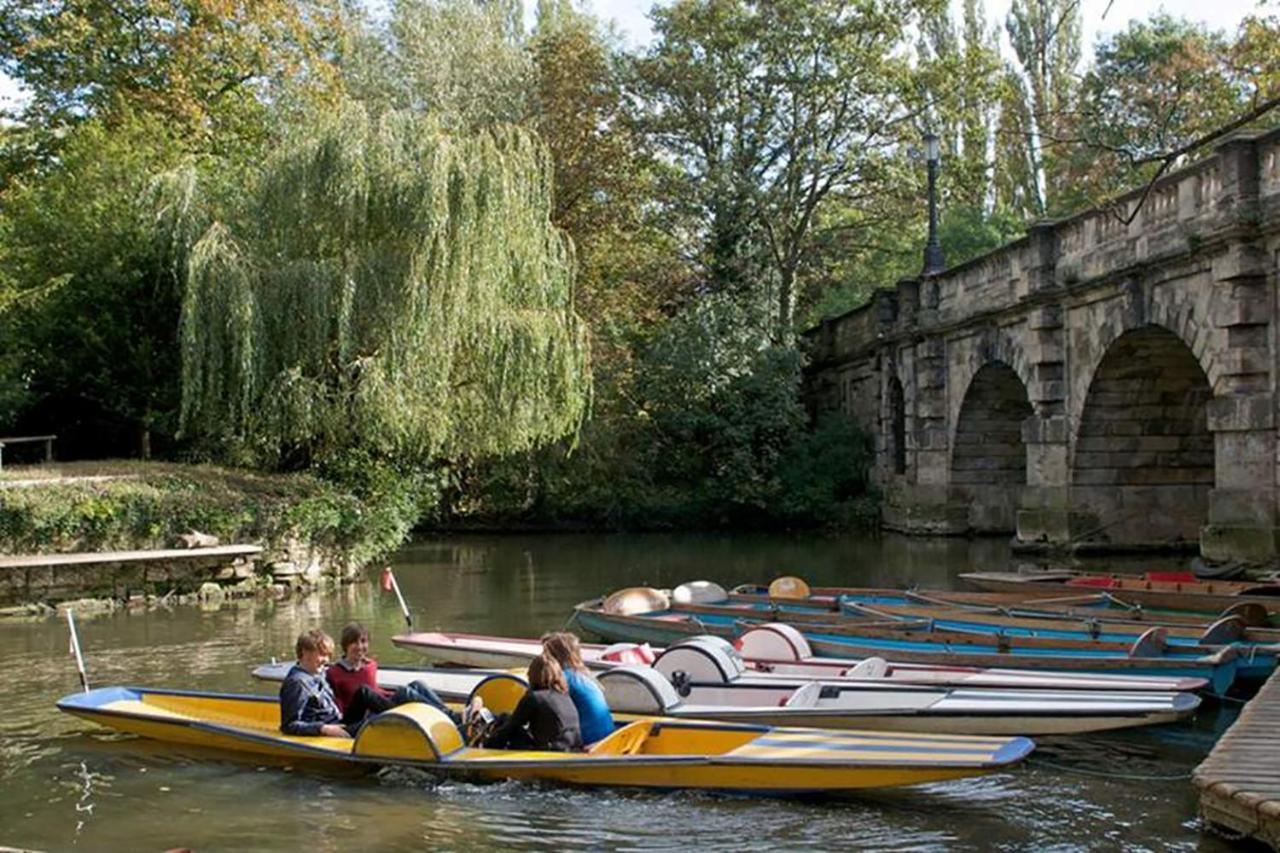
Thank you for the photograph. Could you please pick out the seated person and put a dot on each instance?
(354, 679)
(307, 704)
(545, 719)
(588, 698)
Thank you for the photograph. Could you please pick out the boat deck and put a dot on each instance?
(1239, 782)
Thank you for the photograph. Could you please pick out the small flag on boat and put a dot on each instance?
(387, 580)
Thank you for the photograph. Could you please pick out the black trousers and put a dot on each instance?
(368, 701)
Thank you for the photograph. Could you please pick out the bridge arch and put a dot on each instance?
(1142, 462)
(988, 456)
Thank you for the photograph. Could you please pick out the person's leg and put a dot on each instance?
(364, 702)
(418, 691)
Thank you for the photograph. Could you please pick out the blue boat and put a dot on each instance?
(902, 642)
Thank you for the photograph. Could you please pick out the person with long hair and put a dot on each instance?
(545, 718)
(588, 698)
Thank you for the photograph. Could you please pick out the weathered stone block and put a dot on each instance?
(1241, 311)
(1045, 317)
(1241, 412)
(1242, 507)
(1036, 430)
(1240, 261)
(1249, 544)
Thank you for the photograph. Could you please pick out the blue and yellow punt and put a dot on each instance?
(648, 753)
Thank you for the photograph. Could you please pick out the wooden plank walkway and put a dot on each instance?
(1239, 782)
(86, 558)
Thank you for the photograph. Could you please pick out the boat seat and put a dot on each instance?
(637, 690)
(869, 668)
(625, 741)
(804, 697)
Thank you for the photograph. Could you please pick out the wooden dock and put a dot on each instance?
(1239, 782)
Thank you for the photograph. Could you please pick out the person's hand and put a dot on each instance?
(334, 730)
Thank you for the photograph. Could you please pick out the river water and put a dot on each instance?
(66, 784)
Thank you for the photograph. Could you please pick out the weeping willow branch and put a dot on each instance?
(389, 287)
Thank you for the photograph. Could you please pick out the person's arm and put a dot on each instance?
(293, 705)
(519, 717)
(371, 678)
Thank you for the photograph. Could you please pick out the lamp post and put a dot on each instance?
(933, 262)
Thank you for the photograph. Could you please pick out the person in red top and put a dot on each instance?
(354, 679)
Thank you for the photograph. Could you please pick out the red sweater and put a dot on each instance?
(345, 682)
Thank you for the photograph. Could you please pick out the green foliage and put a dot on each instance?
(825, 476)
(389, 287)
(772, 111)
(706, 429)
(90, 337)
(151, 504)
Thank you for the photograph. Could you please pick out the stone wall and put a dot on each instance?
(1108, 381)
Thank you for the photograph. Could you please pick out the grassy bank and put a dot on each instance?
(135, 505)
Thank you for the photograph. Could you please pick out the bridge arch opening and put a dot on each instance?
(988, 447)
(1143, 463)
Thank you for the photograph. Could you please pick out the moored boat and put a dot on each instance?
(1168, 590)
(706, 679)
(1148, 656)
(763, 652)
(654, 753)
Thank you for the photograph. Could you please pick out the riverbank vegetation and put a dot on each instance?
(124, 505)
(447, 266)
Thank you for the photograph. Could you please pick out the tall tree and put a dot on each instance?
(1153, 88)
(771, 110)
(1045, 36)
(463, 61)
(390, 287)
(200, 64)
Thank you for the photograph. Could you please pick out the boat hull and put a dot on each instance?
(753, 759)
(1219, 671)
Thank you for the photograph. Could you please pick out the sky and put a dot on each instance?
(1101, 18)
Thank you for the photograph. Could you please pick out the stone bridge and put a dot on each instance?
(1095, 384)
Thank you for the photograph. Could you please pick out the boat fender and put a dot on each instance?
(788, 587)
(702, 660)
(699, 592)
(500, 693)
(636, 599)
(728, 648)
(637, 690)
(774, 641)
(410, 732)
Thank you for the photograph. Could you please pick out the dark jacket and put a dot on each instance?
(306, 703)
(552, 722)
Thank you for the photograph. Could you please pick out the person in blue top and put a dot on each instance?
(593, 711)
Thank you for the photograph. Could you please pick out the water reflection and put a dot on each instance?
(65, 783)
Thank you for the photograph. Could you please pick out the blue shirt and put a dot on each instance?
(593, 711)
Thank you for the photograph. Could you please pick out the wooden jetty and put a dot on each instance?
(1239, 782)
(117, 574)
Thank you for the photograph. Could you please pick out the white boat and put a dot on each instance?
(705, 679)
(777, 649)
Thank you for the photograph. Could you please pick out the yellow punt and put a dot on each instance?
(648, 753)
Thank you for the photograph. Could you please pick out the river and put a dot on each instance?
(66, 784)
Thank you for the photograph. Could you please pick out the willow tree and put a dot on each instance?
(391, 287)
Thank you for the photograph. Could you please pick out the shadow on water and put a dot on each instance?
(66, 784)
